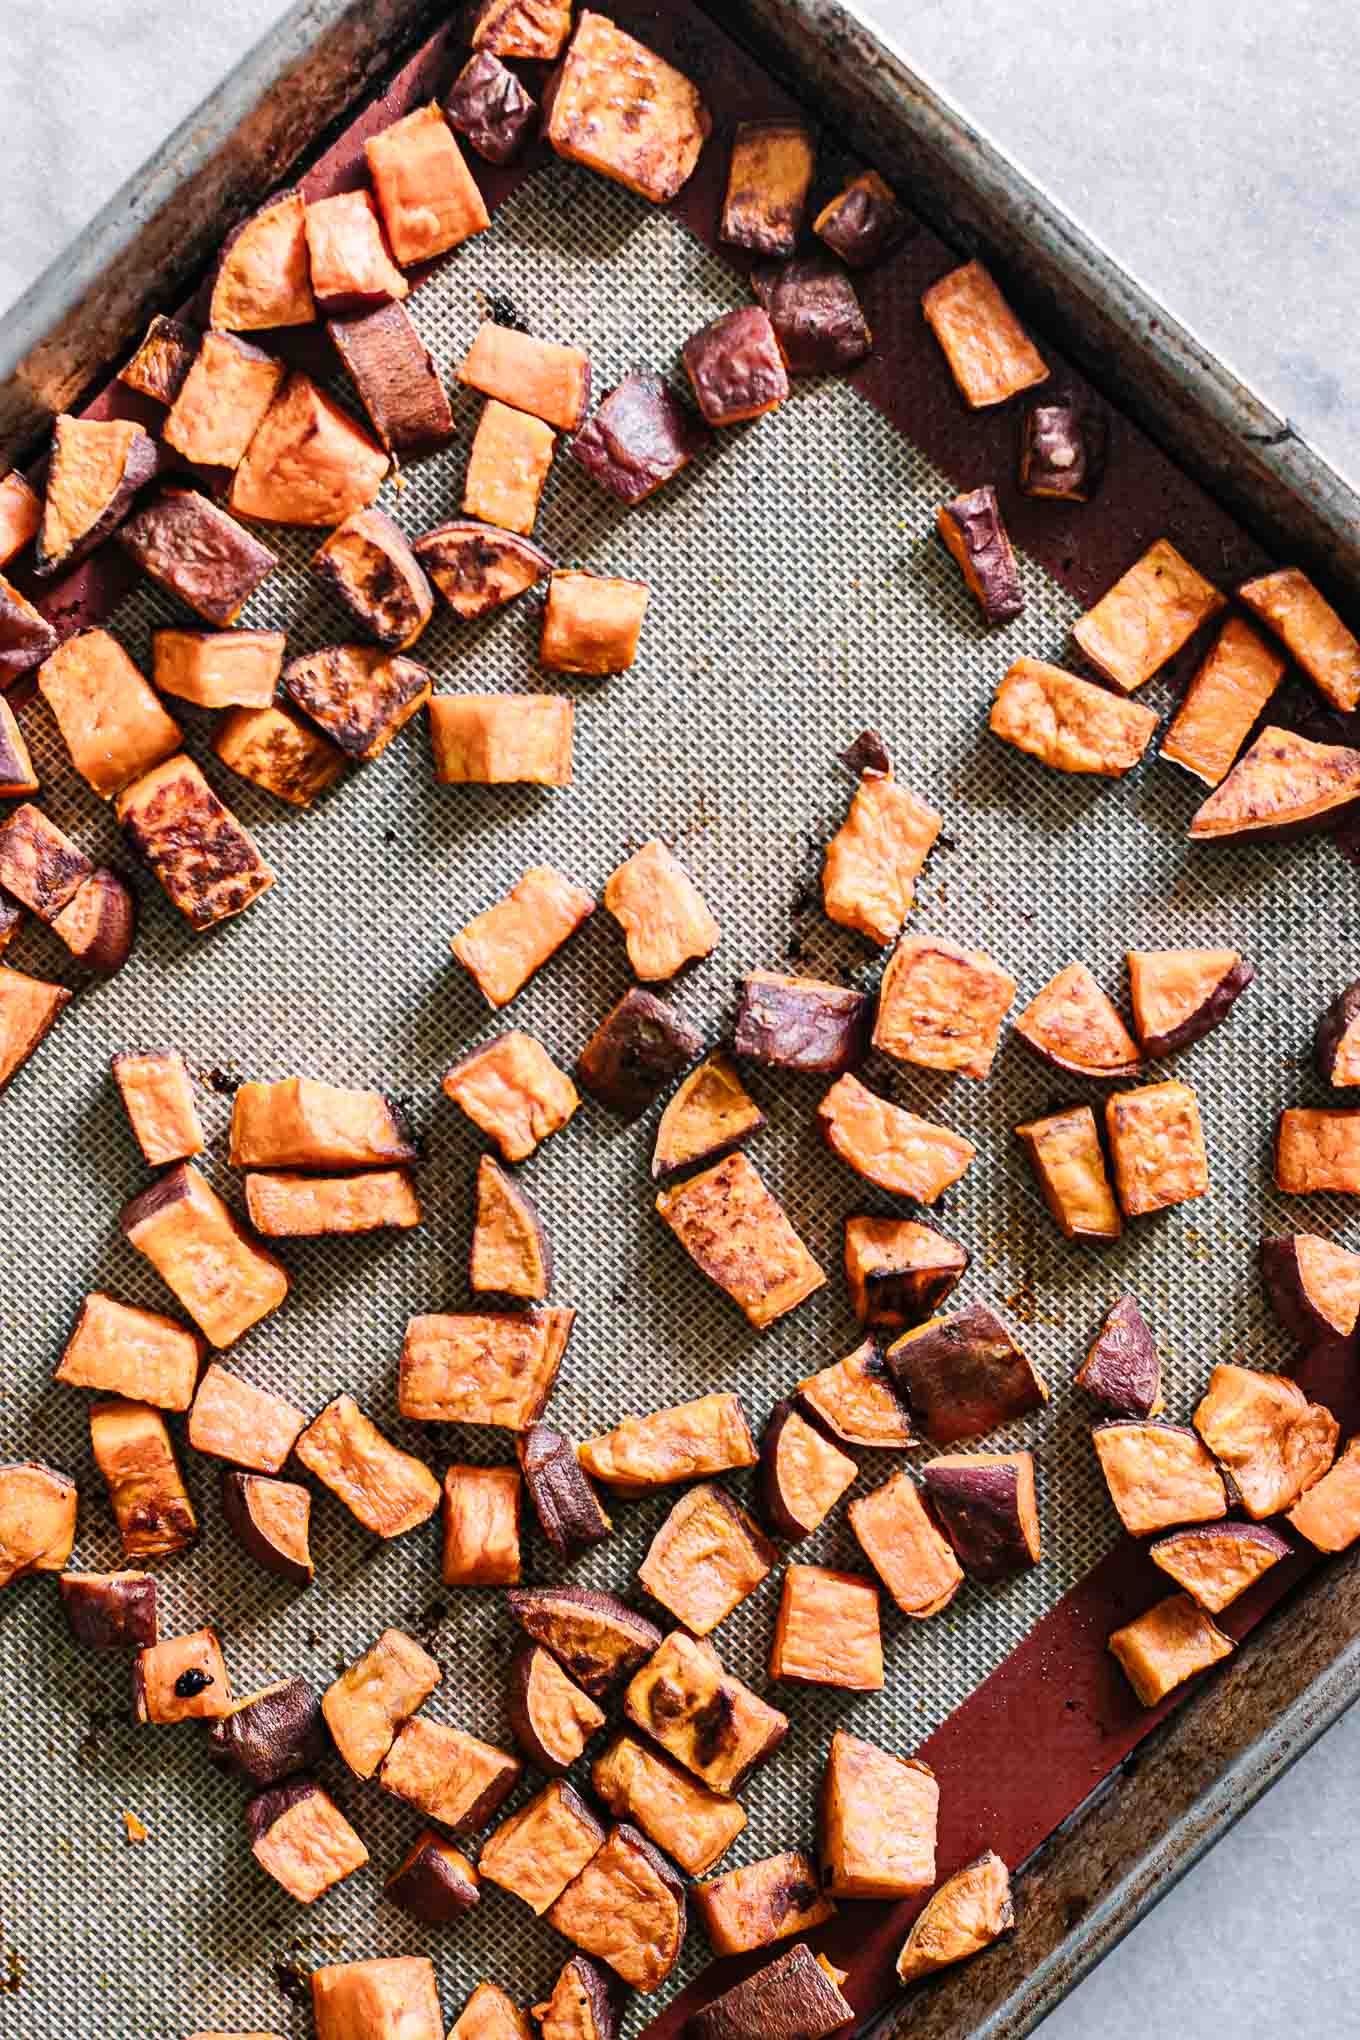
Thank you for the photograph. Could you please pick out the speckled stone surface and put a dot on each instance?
(1213, 150)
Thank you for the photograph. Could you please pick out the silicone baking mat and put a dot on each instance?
(798, 595)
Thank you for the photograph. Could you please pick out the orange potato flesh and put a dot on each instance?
(301, 1123)
(686, 1442)
(1070, 723)
(16, 765)
(827, 1630)
(1318, 1150)
(389, 1999)
(220, 669)
(120, 1350)
(1158, 1475)
(208, 865)
(941, 1006)
(768, 182)
(1143, 621)
(1328, 1515)
(277, 750)
(1283, 782)
(248, 1426)
(540, 1849)
(691, 1823)
(222, 404)
(1168, 1645)
(39, 864)
(878, 1822)
(711, 1111)
(1222, 702)
(222, 1276)
(309, 1847)
(490, 2015)
(111, 722)
(1312, 632)
(761, 1903)
(898, 1271)
(661, 912)
(700, 1715)
(351, 268)
(705, 1559)
(1217, 1562)
(371, 572)
(158, 368)
(447, 1775)
(968, 1912)
(535, 29)
(1169, 988)
(502, 739)
(291, 1206)
(1157, 1146)
(182, 1678)
(580, 2007)
(132, 1449)
(551, 1717)
(619, 109)
(389, 1491)
(95, 469)
(856, 1401)
(736, 1233)
(37, 1520)
(1072, 1024)
(514, 1092)
(1331, 1280)
(1273, 1441)
(591, 624)
(544, 377)
(987, 348)
(272, 1519)
(897, 1150)
(20, 516)
(481, 1526)
(502, 947)
(369, 1701)
(28, 1010)
(426, 194)
(491, 1367)
(510, 1253)
(308, 463)
(507, 467)
(1067, 1158)
(902, 1543)
(264, 280)
(803, 1475)
(628, 1908)
(875, 858)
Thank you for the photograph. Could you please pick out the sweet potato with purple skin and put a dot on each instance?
(1159, 1475)
(1274, 1443)
(739, 1236)
(709, 1114)
(396, 379)
(986, 1503)
(29, 1009)
(271, 1735)
(802, 1474)
(769, 176)
(1072, 1025)
(963, 1374)
(488, 106)
(37, 1520)
(1180, 995)
(856, 1401)
(597, 1637)
(389, 1491)
(433, 1882)
(1336, 1045)
(39, 864)
(478, 568)
(551, 1719)
(899, 1272)
(582, 2005)
(449, 1776)
(762, 1902)
(193, 549)
(705, 1559)
(990, 355)
(736, 368)
(970, 1910)
(132, 1449)
(96, 468)
(371, 571)
(510, 1253)
(109, 1611)
(1313, 1286)
(542, 1847)
(1122, 1368)
(181, 1678)
(796, 1023)
(270, 1519)
(1310, 630)
(567, 1507)
(627, 1907)
(897, 1150)
(906, 1548)
(639, 1047)
(977, 540)
(1062, 450)
(162, 361)
(1285, 786)
(639, 438)
(817, 318)
(1065, 1152)
(622, 111)
(99, 924)
(26, 637)
(794, 1996)
(300, 1838)
(1159, 1650)
(864, 223)
(359, 695)
(1215, 1562)
(708, 1721)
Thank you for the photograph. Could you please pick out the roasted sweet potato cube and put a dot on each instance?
(1263, 1429)
(591, 624)
(1066, 1155)
(798, 1023)
(817, 318)
(477, 568)
(493, 1367)
(1163, 1648)
(898, 1272)
(396, 378)
(1062, 450)
(1068, 723)
(640, 436)
(513, 1092)
(132, 1450)
(20, 515)
(736, 368)
(963, 1374)
(37, 1520)
(710, 1112)
(628, 1908)
(877, 1817)
(551, 1719)
(394, 1998)
(223, 402)
(510, 1252)
(502, 739)
(703, 1717)
(970, 1910)
(1158, 1475)
(638, 1047)
(688, 1442)
(876, 856)
(799, 1993)
(1140, 623)
(1215, 1562)
(705, 1559)
(106, 1611)
(693, 1824)
(661, 912)
(373, 574)
(599, 1638)
(16, 766)
(232, 1420)
(989, 353)
(262, 278)
(371, 1700)
(447, 1775)
(827, 1631)
(906, 1548)
(1074, 1026)
(1313, 1286)
(1230, 690)
(941, 1006)
(359, 695)
(537, 1852)
(502, 947)
(28, 1011)
(110, 720)
(352, 270)
(426, 194)
(221, 1274)
(986, 1504)
(118, 1349)
(219, 668)
(1318, 1151)
(39, 864)
(1310, 630)
(489, 107)
(768, 180)
(855, 1400)
(1179, 995)
(533, 29)
(182, 1678)
(618, 108)
(300, 1838)
(762, 1902)
(863, 223)
(433, 1882)
(977, 540)
(738, 1235)
(481, 1526)
(1328, 1515)
(95, 470)
(1157, 1145)
(583, 2004)
(26, 637)
(1122, 1368)
(802, 1474)
(99, 923)
(569, 1511)
(490, 2015)
(544, 377)
(277, 750)
(309, 463)
(158, 368)
(301, 1123)
(191, 548)
(897, 1150)
(390, 1492)
(271, 1520)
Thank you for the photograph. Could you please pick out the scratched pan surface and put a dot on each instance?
(797, 596)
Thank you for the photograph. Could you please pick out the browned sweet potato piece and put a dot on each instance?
(191, 547)
(583, 2004)
(1122, 1368)
(16, 766)
(490, 2015)
(394, 1997)
(768, 181)
(551, 1719)
(502, 739)
(661, 912)
(640, 437)
(711, 1112)
(300, 1838)
(537, 1852)
(1232, 687)
(1328, 1515)
(159, 366)
(481, 1526)
(1313, 1286)
(693, 1824)
(799, 1993)
(28, 1010)
(359, 695)
(1179, 995)
(249, 1426)
(638, 1047)
(1066, 1155)
(628, 1908)
(488, 106)
(762, 1902)
(95, 470)
(1215, 1562)
(1068, 723)
(478, 568)
(262, 278)
(1336, 1045)
(1157, 1145)
(898, 1271)
(1140, 623)
(447, 1775)
(301, 1123)
(826, 1631)
(106, 1611)
(889, 1146)
(863, 223)
(373, 574)
(802, 1474)
(736, 368)
(492, 1367)
(567, 1506)
(544, 377)
(1273, 1441)
(963, 1374)
(26, 637)
(736, 1234)
(905, 1547)
(703, 1717)
(434, 1883)
(797, 1023)
(510, 1251)
(39, 864)
(970, 1910)
(182, 1678)
(396, 378)
(1074, 1026)
(426, 194)
(271, 1519)
(857, 1403)
(877, 1817)
(219, 669)
(534, 29)
(705, 1559)
(99, 925)
(989, 353)
(1317, 1150)
(977, 541)
(117, 1349)
(1310, 630)
(159, 1100)
(942, 1006)
(308, 463)
(389, 1491)
(687, 1442)
(37, 1520)
(222, 404)
(591, 624)
(1062, 450)
(618, 108)
(20, 515)
(502, 947)
(352, 270)
(132, 1450)
(514, 1092)
(1168, 1645)
(371, 1700)
(986, 1503)
(817, 318)
(1158, 1475)
(599, 1638)
(277, 750)
(110, 720)
(222, 1276)
(288, 1205)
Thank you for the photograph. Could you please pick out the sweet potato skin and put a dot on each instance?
(26, 637)
(796, 1023)
(736, 368)
(478, 568)
(359, 695)
(864, 223)
(1313, 1286)
(191, 547)
(489, 107)
(95, 471)
(817, 318)
(963, 1374)
(1074, 1026)
(854, 1399)
(1062, 450)
(986, 1503)
(1122, 1368)
(640, 437)
(798, 1993)
(551, 1719)
(976, 539)
(1213, 1007)
(898, 1272)
(639, 1046)
(396, 378)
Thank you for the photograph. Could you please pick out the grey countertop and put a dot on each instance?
(1213, 149)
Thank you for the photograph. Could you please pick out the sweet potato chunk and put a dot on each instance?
(219, 669)
(1158, 1475)
(1273, 1441)
(132, 1450)
(628, 1908)
(711, 1112)
(513, 1092)
(271, 1519)
(508, 465)
(863, 223)
(309, 463)
(736, 368)
(481, 1526)
(942, 1006)
(490, 2015)
(551, 1719)
(1230, 690)
(897, 1271)
(28, 1011)
(800, 1993)
(1313, 1286)
(433, 1882)
(396, 378)
(963, 1374)
(1328, 1515)
(359, 695)
(736, 1234)
(826, 1631)
(182, 1678)
(222, 404)
(26, 637)
(640, 437)
(477, 568)
(106, 1611)
(300, 1838)
(388, 1491)
(352, 270)
(534, 29)
(688, 1442)
(1215, 1562)
(1062, 451)
(502, 739)
(262, 279)
(977, 541)
(638, 1047)
(426, 194)
(583, 2005)
(768, 180)
(489, 107)
(1122, 1368)
(569, 1511)
(370, 1701)
(700, 1715)
(817, 318)
(970, 1910)
(876, 856)
(591, 624)
(618, 108)
(206, 862)
(493, 1367)
(20, 513)
(373, 574)
(447, 1775)
(392, 1999)
(157, 370)
(889, 1146)
(120, 1350)
(502, 947)
(986, 1503)
(1180, 995)
(1318, 1150)
(1157, 1145)
(191, 548)
(661, 912)
(797, 1023)
(287, 1205)
(989, 353)
(37, 1520)
(599, 1638)
(1310, 630)
(301, 1123)
(111, 722)
(1140, 623)
(1074, 1026)
(1068, 723)
(537, 1852)
(915, 1562)
(762, 1902)
(277, 750)
(544, 377)
(878, 1817)
(510, 1251)
(1068, 1161)
(99, 924)
(94, 472)
(693, 1824)
(856, 1401)
(1168, 1645)
(39, 864)
(231, 1420)
(705, 1559)
(802, 1474)
(222, 1276)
